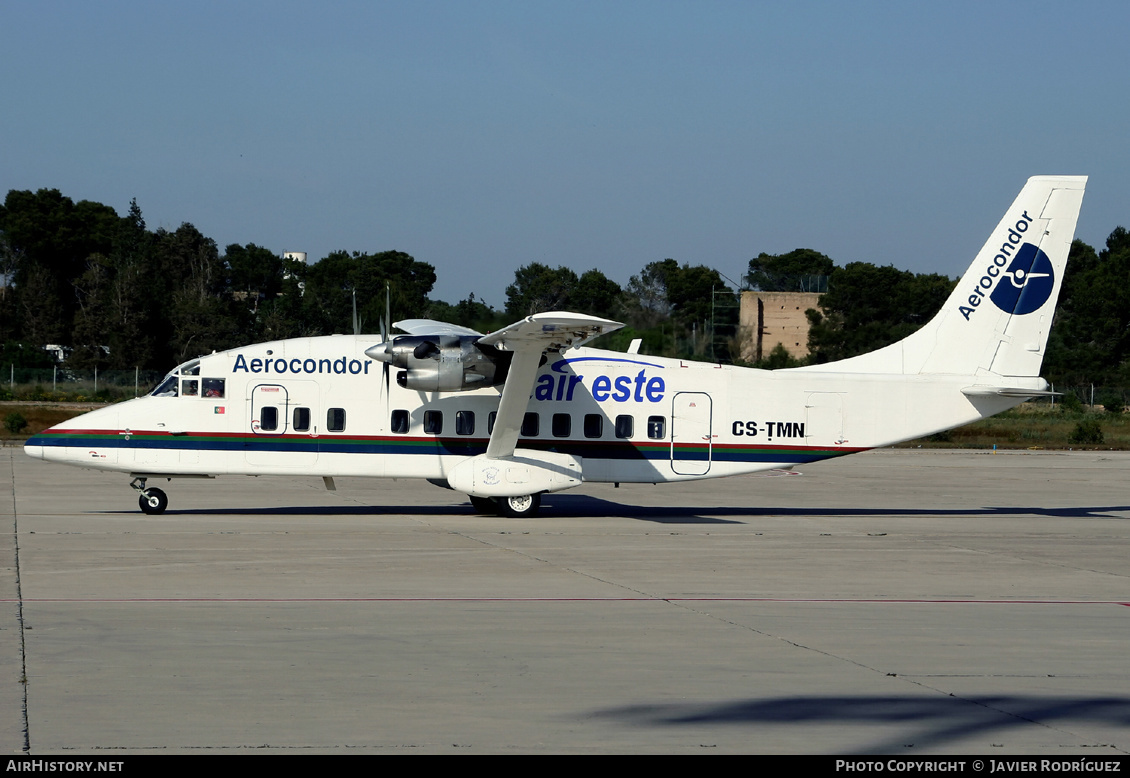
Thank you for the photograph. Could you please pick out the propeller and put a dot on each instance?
(386, 325)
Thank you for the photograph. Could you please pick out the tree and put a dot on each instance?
(8, 318)
(667, 289)
(690, 292)
(868, 307)
(331, 283)
(47, 239)
(468, 312)
(1090, 340)
(136, 308)
(187, 268)
(93, 324)
(254, 273)
(646, 297)
(800, 270)
(538, 288)
(596, 294)
(672, 307)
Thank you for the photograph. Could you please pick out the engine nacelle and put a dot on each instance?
(443, 363)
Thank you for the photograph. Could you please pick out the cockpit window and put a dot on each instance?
(168, 388)
(213, 387)
(189, 387)
(190, 368)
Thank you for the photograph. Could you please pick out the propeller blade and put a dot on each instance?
(386, 326)
(386, 322)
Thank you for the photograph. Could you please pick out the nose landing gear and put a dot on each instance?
(151, 500)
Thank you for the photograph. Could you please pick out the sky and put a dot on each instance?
(482, 136)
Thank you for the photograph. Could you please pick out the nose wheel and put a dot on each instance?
(151, 500)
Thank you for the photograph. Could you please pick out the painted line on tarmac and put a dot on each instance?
(562, 599)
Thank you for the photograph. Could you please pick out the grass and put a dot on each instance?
(1036, 425)
(40, 416)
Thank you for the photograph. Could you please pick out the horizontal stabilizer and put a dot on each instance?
(1006, 391)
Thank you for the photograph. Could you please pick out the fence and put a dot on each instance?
(66, 384)
(1090, 394)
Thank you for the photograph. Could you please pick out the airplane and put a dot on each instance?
(528, 410)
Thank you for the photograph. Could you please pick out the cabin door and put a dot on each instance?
(824, 419)
(692, 439)
(268, 410)
(282, 418)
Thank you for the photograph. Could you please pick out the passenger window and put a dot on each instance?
(335, 420)
(531, 425)
(190, 388)
(562, 425)
(213, 387)
(656, 427)
(268, 418)
(400, 420)
(433, 422)
(490, 421)
(301, 420)
(625, 426)
(464, 423)
(594, 425)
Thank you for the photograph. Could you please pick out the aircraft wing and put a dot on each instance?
(432, 327)
(528, 340)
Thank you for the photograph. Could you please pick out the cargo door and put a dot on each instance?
(692, 439)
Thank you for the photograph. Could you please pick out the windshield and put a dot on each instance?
(167, 388)
(175, 384)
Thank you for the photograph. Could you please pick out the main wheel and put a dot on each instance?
(484, 505)
(522, 507)
(153, 501)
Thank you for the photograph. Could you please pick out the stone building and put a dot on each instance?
(769, 318)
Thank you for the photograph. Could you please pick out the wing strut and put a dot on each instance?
(528, 340)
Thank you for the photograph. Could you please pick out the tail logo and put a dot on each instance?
(1031, 279)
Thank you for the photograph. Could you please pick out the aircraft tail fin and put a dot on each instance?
(996, 321)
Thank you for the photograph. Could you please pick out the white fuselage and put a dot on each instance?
(320, 406)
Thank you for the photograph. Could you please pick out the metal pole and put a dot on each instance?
(712, 322)
(54, 378)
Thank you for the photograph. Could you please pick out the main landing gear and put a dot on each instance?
(521, 507)
(151, 500)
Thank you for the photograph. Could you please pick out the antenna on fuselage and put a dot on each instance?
(356, 321)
